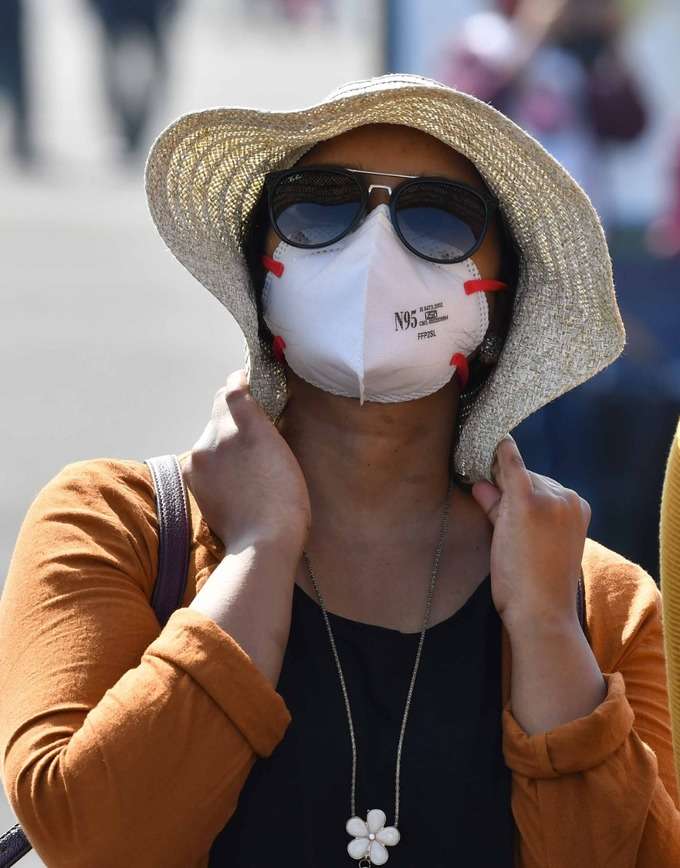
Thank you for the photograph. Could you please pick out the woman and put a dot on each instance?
(346, 503)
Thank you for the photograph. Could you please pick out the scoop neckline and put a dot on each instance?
(340, 621)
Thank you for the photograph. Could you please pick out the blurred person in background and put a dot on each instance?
(13, 80)
(663, 235)
(555, 67)
(135, 62)
(300, 11)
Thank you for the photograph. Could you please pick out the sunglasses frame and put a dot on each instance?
(490, 203)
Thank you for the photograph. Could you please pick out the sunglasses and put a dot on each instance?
(437, 219)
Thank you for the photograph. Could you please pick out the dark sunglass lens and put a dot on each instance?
(315, 207)
(439, 220)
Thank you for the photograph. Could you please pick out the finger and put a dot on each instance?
(545, 485)
(488, 497)
(587, 513)
(237, 381)
(510, 472)
(231, 398)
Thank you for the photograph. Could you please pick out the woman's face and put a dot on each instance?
(403, 150)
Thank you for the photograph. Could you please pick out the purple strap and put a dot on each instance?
(173, 535)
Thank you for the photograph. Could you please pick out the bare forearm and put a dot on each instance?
(555, 675)
(249, 595)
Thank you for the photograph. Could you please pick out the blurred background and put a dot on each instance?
(108, 347)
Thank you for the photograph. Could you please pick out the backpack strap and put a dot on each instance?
(173, 535)
(14, 845)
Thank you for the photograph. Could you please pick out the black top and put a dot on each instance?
(454, 799)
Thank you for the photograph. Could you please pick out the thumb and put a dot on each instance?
(234, 399)
(237, 381)
(488, 496)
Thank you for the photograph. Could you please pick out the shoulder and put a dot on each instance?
(124, 485)
(118, 486)
(96, 507)
(112, 500)
(621, 599)
(90, 530)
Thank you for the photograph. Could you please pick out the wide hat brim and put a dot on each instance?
(206, 170)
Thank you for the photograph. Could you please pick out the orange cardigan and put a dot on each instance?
(125, 744)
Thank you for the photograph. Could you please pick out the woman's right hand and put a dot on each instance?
(244, 476)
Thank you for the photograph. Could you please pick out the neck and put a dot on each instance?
(377, 471)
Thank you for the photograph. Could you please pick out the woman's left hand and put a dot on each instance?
(539, 535)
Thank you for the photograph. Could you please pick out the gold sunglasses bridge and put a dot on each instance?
(372, 187)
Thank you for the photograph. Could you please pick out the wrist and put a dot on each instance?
(267, 543)
(527, 625)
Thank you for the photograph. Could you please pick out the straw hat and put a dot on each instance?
(205, 172)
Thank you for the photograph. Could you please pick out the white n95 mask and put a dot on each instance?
(367, 318)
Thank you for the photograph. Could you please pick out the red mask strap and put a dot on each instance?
(273, 265)
(484, 286)
(462, 369)
(278, 346)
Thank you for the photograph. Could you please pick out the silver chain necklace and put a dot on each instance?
(371, 837)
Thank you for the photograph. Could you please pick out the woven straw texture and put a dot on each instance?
(669, 564)
(206, 170)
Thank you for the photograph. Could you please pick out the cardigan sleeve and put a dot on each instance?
(600, 790)
(122, 743)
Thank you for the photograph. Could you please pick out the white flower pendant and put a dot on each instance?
(371, 838)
